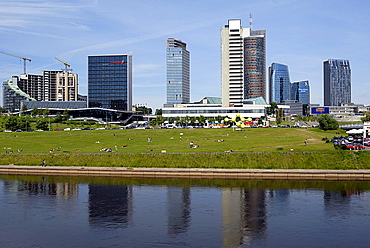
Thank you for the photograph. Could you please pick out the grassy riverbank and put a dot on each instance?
(260, 160)
(270, 148)
(170, 140)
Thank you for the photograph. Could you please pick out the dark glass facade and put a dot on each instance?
(110, 81)
(337, 82)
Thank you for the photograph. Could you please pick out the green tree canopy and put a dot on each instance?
(158, 112)
(42, 124)
(327, 123)
(144, 110)
(366, 117)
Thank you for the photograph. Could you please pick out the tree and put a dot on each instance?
(42, 124)
(158, 112)
(366, 118)
(271, 110)
(187, 120)
(35, 112)
(65, 115)
(202, 120)
(144, 110)
(22, 122)
(171, 120)
(158, 121)
(46, 112)
(11, 123)
(58, 117)
(327, 123)
(219, 118)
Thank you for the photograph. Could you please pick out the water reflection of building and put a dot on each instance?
(43, 188)
(280, 199)
(244, 216)
(337, 203)
(178, 204)
(110, 205)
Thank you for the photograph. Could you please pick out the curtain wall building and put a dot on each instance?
(110, 81)
(243, 59)
(178, 73)
(279, 83)
(337, 82)
(300, 91)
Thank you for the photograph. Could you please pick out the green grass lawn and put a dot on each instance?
(264, 148)
(170, 140)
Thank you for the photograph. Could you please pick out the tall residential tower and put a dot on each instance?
(337, 82)
(243, 53)
(178, 73)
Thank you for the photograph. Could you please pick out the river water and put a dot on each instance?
(111, 212)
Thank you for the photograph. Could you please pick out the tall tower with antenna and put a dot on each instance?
(250, 21)
(243, 60)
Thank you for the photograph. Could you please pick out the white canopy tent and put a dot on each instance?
(355, 131)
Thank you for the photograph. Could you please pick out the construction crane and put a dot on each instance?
(65, 64)
(24, 59)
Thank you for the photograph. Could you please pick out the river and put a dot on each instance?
(116, 212)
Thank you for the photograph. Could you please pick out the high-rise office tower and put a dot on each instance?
(178, 73)
(337, 82)
(279, 83)
(243, 53)
(110, 81)
(300, 91)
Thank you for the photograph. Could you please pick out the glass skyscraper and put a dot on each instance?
(300, 91)
(279, 83)
(110, 81)
(243, 60)
(255, 65)
(178, 73)
(337, 82)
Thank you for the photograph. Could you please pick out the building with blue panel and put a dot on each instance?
(178, 73)
(279, 83)
(110, 81)
(337, 82)
(300, 91)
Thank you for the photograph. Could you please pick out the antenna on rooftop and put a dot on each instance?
(250, 21)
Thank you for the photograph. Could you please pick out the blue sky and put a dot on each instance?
(301, 34)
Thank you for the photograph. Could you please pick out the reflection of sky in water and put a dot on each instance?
(64, 214)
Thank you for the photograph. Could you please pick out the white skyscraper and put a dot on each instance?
(243, 63)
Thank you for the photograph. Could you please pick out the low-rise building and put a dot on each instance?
(211, 107)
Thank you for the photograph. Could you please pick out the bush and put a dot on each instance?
(327, 123)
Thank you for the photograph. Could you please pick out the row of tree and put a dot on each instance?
(24, 123)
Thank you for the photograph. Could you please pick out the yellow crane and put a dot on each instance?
(65, 64)
(24, 59)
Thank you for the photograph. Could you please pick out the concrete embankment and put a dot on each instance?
(182, 173)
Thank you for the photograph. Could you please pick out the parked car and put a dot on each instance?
(351, 146)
